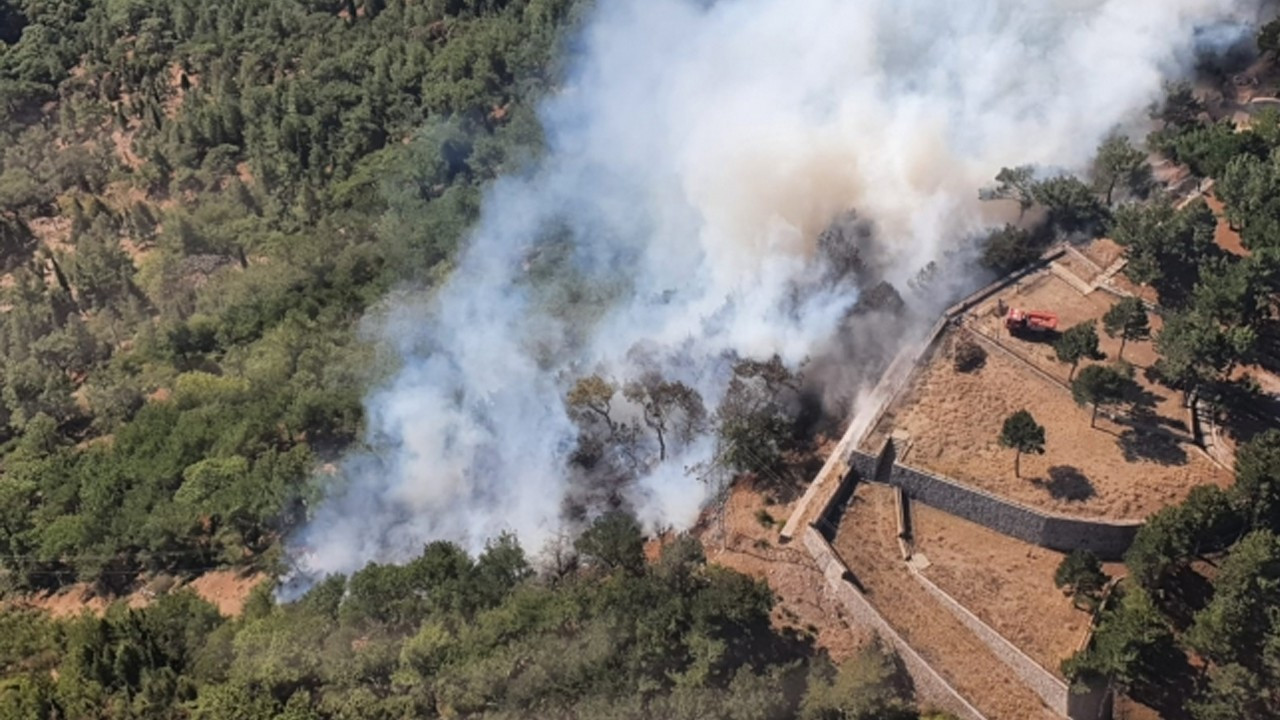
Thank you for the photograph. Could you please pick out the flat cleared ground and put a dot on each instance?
(1005, 582)
(1115, 470)
(1139, 458)
(867, 542)
(1045, 291)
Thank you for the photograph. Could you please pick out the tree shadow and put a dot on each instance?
(1067, 483)
(1246, 410)
(1267, 350)
(1184, 593)
(1042, 337)
(1153, 375)
(1142, 401)
(1145, 418)
(1160, 447)
(831, 524)
(1143, 406)
(1171, 681)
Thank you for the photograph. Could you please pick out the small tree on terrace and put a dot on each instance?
(1081, 574)
(1022, 433)
(1076, 344)
(1098, 385)
(1127, 320)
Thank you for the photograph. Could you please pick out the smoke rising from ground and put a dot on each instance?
(695, 155)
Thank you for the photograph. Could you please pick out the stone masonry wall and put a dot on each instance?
(1108, 539)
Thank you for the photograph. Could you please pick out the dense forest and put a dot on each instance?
(198, 202)
(1194, 627)
(449, 636)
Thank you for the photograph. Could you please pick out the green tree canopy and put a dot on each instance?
(1023, 434)
(1071, 204)
(1099, 385)
(1118, 164)
(614, 540)
(1011, 248)
(1078, 342)
(1242, 614)
(1166, 248)
(1257, 487)
(1207, 521)
(1016, 184)
(1080, 573)
(1127, 320)
(1128, 643)
(1194, 349)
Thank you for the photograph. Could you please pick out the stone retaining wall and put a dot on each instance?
(931, 688)
(1050, 689)
(1108, 539)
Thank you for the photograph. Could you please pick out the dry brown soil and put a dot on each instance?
(1132, 464)
(225, 589)
(867, 542)
(739, 541)
(1008, 584)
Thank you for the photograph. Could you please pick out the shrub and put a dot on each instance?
(764, 518)
(968, 356)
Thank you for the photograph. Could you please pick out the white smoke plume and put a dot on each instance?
(695, 154)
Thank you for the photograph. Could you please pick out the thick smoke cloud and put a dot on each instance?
(695, 155)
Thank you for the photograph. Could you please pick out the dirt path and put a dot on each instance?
(866, 540)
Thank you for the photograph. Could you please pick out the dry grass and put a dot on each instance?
(225, 589)
(1005, 582)
(1133, 463)
(742, 543)
(75, 599)
(867, 542)
(1113, 471)
(1102, 251)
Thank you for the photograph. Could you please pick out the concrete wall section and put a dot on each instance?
(931, 689)
(1108, 539)
(963, 502)
(857, 467)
